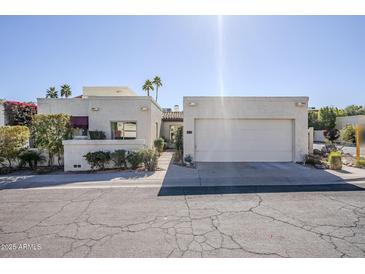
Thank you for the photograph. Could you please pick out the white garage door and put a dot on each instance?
(236, 140)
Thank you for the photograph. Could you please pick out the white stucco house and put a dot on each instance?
(216, 129)
(129, 121)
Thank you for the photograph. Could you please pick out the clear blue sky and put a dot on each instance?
(320, 57)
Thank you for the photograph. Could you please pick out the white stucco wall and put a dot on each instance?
(70, 106)
(74, 150)
(125, 109)
(107, 91)
(102, 110)
(248, 108)
(341, 122)
(2, 115)
(156, 122)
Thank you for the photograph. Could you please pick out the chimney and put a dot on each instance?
(176, 108)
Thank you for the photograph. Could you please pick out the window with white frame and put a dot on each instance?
(124, 130)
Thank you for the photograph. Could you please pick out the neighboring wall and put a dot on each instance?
(341, 122)
(248, 107)
(2, 115)
(318, 136)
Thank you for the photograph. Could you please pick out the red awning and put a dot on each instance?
(80, 122)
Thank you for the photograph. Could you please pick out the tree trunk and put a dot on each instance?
(9, 161)
(156, 93)
(50, 159)
(59, 159)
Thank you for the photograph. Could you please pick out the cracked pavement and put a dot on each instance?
(136, 222)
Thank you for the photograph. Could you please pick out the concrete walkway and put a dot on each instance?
(99, 179)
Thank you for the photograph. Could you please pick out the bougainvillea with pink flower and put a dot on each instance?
(19, 113)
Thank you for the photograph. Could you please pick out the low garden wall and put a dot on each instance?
(74, 150)
(318, 136)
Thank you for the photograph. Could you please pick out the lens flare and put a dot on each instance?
(220, 61)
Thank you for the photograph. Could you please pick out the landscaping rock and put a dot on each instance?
(328, 148)
(320, 166)
(312, 159)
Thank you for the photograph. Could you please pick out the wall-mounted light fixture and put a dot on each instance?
(300, 104)
(95, 109)
(144, 108)
(192, 104)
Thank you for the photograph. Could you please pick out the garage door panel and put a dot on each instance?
(243, 140)
(249, 156)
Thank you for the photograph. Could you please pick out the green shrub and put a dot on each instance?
(159, 145)
(31, 157)
(97, 135)
(119, 157)
(98, 159)
(149, 157)
(360, 163)
(135, 158)
(13, 139)
(165, 142)
(331, 134)
(348, 134)
(19, 113)
(188, 158)
(179, 143)
(335, 160)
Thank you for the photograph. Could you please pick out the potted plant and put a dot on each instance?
(188, 160)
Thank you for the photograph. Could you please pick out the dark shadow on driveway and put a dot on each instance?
(231, 178)
(35, 181)
(175, 191)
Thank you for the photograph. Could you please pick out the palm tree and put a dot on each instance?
(52, 93)
(157, 82)
(147, 87)
(65, 91)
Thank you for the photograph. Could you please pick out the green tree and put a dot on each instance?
(327, 117)
(65, 91)
(313, 119)
(12, 140)
(52, 93)
(354, 110)
(48, 131)
(147, 87)
(157, 82)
